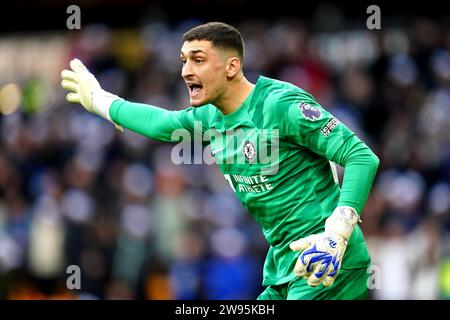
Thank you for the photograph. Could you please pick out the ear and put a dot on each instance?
(233, 67)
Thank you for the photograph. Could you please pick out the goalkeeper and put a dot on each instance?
(317, 249)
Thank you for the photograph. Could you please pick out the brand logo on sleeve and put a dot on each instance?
(310, 112)
(326, 130)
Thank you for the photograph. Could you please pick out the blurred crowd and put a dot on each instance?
(76, 191)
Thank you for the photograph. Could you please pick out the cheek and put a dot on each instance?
(216, 81)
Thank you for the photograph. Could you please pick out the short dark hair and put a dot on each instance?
(220, 34)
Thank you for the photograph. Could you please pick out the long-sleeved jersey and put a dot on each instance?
(276, 151)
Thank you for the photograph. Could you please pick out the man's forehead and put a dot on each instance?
(196, 46)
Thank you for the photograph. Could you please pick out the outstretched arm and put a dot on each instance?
(151, 121)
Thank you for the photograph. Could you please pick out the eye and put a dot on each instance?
(198, 61)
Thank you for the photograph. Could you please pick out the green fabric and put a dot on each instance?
(349, 285)
(151, 121)
(292, 195)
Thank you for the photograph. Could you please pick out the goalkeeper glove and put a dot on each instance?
(85, 90)
(322, 253)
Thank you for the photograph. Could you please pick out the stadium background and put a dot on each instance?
(75, 191)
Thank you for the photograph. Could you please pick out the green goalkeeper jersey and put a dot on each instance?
(277, 152)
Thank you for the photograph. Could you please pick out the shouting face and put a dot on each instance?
(204, 71)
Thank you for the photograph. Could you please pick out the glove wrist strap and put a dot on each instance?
(342, 221)
(101, 102)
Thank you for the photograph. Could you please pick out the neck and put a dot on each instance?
(235, 95)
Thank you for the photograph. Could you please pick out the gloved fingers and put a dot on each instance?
(322, 269)
(303, 267)
(328, 280)
(331, 274)
(77, 66)
(302, 243)
(73, 97)
(300, 268)
(70, 85)
(313, 279)
(69, 75)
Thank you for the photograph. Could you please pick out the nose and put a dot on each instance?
(186, 71)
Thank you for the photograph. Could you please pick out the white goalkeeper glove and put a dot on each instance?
(85, 90)
(322, 253)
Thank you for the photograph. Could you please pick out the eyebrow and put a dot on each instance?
(191, 52)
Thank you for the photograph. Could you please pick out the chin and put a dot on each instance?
(199, 103)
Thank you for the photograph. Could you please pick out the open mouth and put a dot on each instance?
(195, 89)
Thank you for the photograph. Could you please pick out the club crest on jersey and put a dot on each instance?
(310, 112)
(249, 151)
